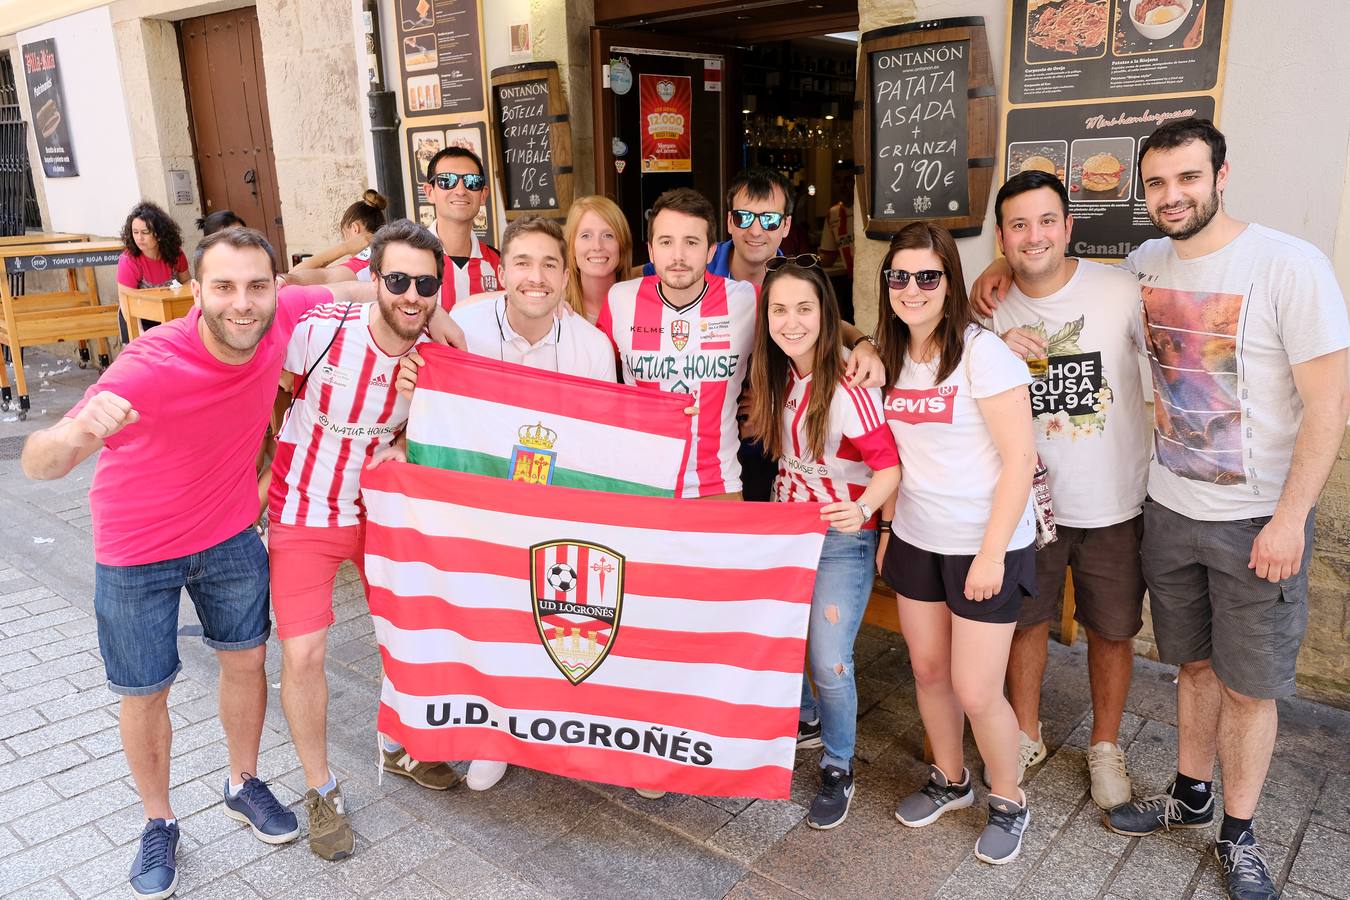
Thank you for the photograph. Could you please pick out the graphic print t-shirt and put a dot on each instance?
(1092, 426)
(702, 349)
(948, 462)
(1222, 332)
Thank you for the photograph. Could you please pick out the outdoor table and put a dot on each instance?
(41, 237)
(162, 304)
(33, 319)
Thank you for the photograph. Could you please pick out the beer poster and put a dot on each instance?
(666, 103)
(47, 102)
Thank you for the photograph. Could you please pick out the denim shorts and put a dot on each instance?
(137, 610)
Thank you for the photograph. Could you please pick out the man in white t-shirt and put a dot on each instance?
(1246, 333)
(1092, 435)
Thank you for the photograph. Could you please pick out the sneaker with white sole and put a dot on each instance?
(928, 803)
(1246, 873)
(649, 795)
(833, 800)
(1001, 840)
(1160, 812)
(258, 807)
(154, 871)
(483, 774)
(1110, 780)
(808, 735)
(1029, 753)
(436, 776)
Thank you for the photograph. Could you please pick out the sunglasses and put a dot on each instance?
(927, 280)
(802, 261)
(446, 181)
(397, 282)
(769, 221)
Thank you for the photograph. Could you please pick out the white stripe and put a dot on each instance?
(438, 418)
(711, 681)
(764, 617)
(728, 753)
(654, 543)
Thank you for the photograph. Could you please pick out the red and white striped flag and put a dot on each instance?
(638, 641)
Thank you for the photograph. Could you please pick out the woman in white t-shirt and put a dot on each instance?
(961, 553)
(832, 447)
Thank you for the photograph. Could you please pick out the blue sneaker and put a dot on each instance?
(271, 822)
(154, 871)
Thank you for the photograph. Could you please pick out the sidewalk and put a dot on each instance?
(69, 815)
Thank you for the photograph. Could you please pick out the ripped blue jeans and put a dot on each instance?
(843, 584)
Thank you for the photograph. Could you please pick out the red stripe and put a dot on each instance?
(575, 505)
(277, 490)
(622, 406)
(316, 433)
(712, 397)
(345, 447)
(648, 316)
(796, 477)
(739, 720)
(787, 584)
(583, 574)
(629, 769)
(741, 650)
(716, 345)
(862, 403)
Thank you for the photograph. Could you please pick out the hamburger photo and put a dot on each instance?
(1039, 164)
(1102, 172)
(48, 118)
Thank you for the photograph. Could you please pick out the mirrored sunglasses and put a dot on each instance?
(769, 221)
(927, 279)
(446, 181)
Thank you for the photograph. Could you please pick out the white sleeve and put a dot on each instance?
(993, 367)
(1309, 308)
(297, 350)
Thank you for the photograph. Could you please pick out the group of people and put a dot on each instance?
(920, 443)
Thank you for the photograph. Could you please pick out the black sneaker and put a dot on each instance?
(929, 802)
(831, 805)
(154, 871)
(1159, 812)
(808, 735)
(1246, 874)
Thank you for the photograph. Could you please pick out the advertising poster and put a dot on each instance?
(47, 101)
(441, 57)
(1087, 82)
(666, 116)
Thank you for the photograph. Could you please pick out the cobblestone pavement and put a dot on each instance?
(69, 815)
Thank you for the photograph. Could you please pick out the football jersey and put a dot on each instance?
(478, 274)
(345, 411)
(702, 349)
(858, 442)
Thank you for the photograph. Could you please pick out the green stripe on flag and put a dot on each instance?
(476, 463)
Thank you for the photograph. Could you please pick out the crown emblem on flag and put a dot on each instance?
(537, 436)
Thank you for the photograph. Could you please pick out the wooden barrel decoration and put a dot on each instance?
(925, 113)
(534, 140)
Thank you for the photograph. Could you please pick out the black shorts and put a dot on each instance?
(938, 578)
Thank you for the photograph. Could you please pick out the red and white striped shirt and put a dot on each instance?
(345, 411)
(858, 442)
(478, 274)
(702, 349)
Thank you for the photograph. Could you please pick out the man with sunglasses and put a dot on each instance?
(346, 413)
(457, 187)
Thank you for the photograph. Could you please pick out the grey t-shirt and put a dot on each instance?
(1222, 333)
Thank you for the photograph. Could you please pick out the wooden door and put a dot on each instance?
(715, 126)
(231, 130)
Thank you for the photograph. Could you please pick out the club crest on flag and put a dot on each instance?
(533, 457)
(679, 333)
(576, 593)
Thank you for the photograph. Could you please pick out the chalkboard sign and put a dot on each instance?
(522, 111)
(926, 115)
(919, 131)
(534, 140)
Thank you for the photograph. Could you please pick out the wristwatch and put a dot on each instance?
(866, 337)
(866, 510)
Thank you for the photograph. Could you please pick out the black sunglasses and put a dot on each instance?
(446, 181)
(801, 261)
(927, 279)
(397, 282)
(769, 221)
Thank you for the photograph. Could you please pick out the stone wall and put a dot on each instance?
(562, 32)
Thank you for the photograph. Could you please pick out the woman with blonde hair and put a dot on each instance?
(599, 253)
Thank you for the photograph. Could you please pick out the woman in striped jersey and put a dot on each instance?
(834, 448)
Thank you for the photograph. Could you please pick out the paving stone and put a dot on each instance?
(102, 743)
(1064, 775)
(1069, 871)
(126, 823)
(231, 887)
(972, 878)
(411, 887)
(1211, 878)
(51, 889)
(465, 875)
(43, 622)
(757, 828)
(89, 678)
(25, 769)
(90, 775)
(320, 885)
(10, 597)
(1156, 869)
(1333, 804)
(18, 870)
(23, 800)
(55, 668)
(87, 625)
(33, 697)
(20, 660)
(103, 873)
(1086, 828)
(59, 818)
(376, 821)
(1321, 862)
(46, 604)
(756, 887)
(384, 862)
(201, 866)
(62, 732)
(58, 649)
(19, 722)
(74, 704)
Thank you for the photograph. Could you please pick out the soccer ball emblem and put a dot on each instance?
(561, 577)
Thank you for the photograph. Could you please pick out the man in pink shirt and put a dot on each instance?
(188, 404)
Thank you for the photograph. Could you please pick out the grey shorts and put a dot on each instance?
(1108, 584)
(1207, 604)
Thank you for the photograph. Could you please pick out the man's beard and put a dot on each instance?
(406, 329)
(215, 322)
(1189, 227)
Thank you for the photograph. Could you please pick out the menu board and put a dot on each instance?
(47, 101)
(919, 141)
(440, 52)
(524, 128)
(424, 142)
(1087, 82)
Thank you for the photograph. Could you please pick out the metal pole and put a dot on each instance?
(383, 117)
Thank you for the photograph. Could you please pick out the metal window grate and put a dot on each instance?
(18, 200)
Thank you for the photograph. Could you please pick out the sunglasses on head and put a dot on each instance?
(927, 279)
(801, 261)
(769, 221)
(397, 282)
(446, 181)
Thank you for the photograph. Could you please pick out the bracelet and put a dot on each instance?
(997, 562)
(884, 524)
(866, 337)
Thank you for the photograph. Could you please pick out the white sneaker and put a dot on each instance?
(1110, 781)
(1029, 753)
(649, 795)
(484, 773)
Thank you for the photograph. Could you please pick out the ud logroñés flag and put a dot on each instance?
(487, 417)
(637, 641)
